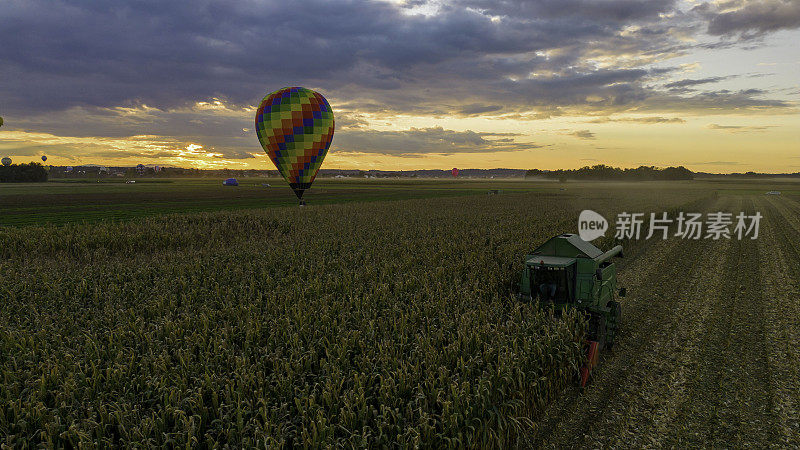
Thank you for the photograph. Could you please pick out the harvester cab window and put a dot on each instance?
(550, 284)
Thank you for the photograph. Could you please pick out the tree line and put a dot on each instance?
(23, 173)
(604, 172)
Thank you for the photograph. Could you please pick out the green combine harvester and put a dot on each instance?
(568, 272)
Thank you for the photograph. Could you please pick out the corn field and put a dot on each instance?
(393, 324)
(382, 324)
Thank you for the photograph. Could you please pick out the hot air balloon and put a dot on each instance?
(295, 128)
(455, 172)
(1, 121)
(44, 158)
(6, 161)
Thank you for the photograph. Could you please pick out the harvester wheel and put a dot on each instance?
(616, 315)
(597, 330)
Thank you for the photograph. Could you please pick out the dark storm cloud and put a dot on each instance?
(478, 109)
(120, 123)
(67, 66)
(420, 141)
(714, 163)
(716, 102)
(750, 18)
(169, 54)
(738, 128)
(644, 120)
(604, 11)
(349, 120)
(689, 83)
(751, 91)
(165, 54)
(117, 154)
(582, 134)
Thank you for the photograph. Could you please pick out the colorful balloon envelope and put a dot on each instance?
(454, 172)
(44, 158)
(295, 127)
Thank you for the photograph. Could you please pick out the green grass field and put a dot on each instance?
(89, 201)
(79, 201)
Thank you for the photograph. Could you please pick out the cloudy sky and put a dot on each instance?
(414, 84)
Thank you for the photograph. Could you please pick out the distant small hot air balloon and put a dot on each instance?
(295, 127)
(455, 172)
(6, 161)
(44, 158)
(1, 121)
(140, 168)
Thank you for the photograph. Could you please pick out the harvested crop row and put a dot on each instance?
(639, 376)
(780, 272)
(709, 358)
(729, 396)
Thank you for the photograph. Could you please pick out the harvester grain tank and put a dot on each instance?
(568, 272)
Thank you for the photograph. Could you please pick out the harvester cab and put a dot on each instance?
(568, 272)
